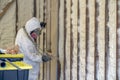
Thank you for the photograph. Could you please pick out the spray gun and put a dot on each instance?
(45, 57)
(45, 53)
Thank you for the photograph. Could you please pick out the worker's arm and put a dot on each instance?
(28, 52)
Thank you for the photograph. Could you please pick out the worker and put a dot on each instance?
(26, 41)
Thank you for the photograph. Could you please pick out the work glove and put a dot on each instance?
(46, 58)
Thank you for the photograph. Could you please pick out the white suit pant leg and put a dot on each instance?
(32, 75)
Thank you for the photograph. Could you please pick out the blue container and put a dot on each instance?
(10, 72)
(14, 74)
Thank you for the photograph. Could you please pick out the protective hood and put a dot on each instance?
(32, 24)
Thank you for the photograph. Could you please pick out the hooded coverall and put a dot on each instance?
(27, 47)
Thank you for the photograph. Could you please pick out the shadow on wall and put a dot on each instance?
(58, 70)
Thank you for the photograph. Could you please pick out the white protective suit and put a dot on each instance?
(27, 47)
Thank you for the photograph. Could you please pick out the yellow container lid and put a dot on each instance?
(11, 55)
(20, 64)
